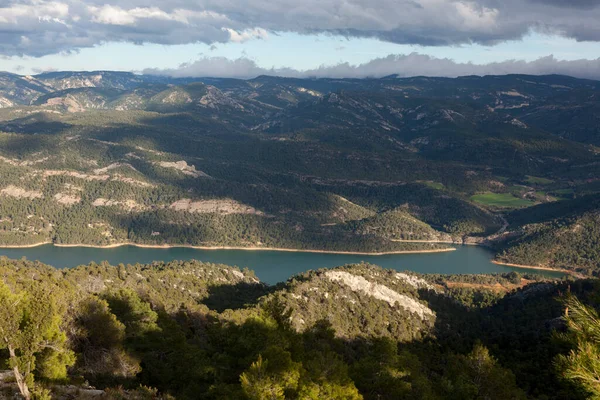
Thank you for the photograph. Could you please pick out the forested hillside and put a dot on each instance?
(194, 330)
(363, 165)
(563, 234)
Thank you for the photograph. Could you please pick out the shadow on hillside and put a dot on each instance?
(239, 295)
(519, 329)
(34, 124)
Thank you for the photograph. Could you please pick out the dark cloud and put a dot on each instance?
(402, 65)
(39, 27)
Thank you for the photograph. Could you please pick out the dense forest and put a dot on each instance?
(370, 165)
(191, 330)
(563, 234)
(373, 165)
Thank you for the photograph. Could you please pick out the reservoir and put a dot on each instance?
(274, 266)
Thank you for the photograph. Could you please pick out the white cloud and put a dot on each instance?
(215, 66)
(402, 65)
(45, 10)
(247, 34)
(114, 15)
(111, 15)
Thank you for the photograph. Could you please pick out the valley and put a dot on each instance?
(342, 165)
(299, 200)
(309, 202)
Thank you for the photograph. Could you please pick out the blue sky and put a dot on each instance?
(296, 51)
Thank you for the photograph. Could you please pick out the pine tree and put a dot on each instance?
(31, 333)
(582, 364)
(478, 375)
(99, 338)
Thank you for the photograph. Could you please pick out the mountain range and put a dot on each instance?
(333, 164)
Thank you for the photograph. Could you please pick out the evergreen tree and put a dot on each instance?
(30, 331)
(99, 339)
(582, 364)
(478, 376)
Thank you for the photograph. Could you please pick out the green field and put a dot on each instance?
(537, 180)
(504, 200)
(434, 185)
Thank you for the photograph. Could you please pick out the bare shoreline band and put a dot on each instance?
(566, 271)
(149, 246)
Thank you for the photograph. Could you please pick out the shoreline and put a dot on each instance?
(24, 246)
(456, 243)
(166, 246)
(423, 241)
(565, 271)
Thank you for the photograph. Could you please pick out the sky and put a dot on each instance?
(321, 38)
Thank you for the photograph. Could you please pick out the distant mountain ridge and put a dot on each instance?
(545, 102)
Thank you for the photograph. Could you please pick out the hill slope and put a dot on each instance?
(331, 164)
(190, 329)
(559, 235)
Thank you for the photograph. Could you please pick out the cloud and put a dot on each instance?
(40, 27)
(247, 34)
(218, 67)
(402, 65)
(43, 70)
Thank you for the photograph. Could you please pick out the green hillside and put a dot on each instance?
(104, 158)
(189, 330)
(562, 235)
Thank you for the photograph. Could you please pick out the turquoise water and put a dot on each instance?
(273, 266)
